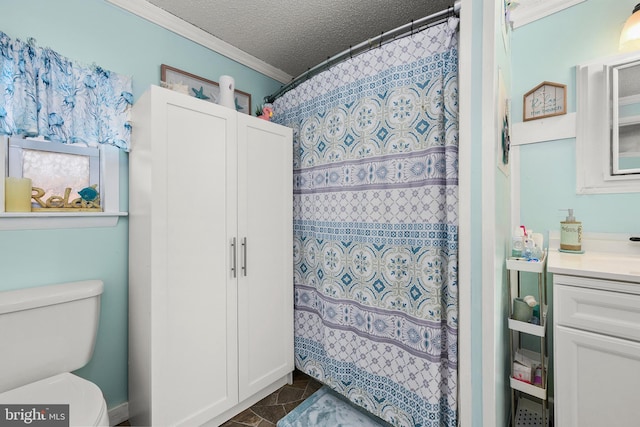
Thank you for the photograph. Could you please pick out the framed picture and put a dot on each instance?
(201, 88)
(545, 100)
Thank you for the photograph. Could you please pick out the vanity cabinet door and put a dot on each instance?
(597, 379)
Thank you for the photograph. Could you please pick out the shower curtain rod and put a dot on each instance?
(401, 31)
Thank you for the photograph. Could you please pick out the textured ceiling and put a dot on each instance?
(294, 35)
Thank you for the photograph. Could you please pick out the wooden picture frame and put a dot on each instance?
(548, 99)
(199, 87)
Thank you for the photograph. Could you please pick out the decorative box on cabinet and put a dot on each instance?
(210, 260)
(522, 407)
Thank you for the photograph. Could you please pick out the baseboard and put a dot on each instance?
(119, 414)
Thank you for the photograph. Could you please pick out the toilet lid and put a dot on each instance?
(85, 400)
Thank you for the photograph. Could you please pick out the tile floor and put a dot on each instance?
(268, 411)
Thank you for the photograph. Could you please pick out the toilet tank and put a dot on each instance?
(47, 330)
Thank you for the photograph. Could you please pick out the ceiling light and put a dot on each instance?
(630, 36)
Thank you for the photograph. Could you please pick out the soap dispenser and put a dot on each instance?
(570, 234)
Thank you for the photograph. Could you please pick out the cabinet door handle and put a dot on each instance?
(244, 255)
(233, 257)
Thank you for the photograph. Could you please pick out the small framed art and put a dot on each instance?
(545, 100)
(201, 88)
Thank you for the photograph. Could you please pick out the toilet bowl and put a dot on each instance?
(86, 404)
(48, 332)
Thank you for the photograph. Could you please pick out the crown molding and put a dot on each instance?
(178, 26)
(532, 10)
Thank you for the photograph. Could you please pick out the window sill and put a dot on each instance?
(53, 220)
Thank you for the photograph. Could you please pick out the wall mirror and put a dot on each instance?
(624, 87)
(608, 124)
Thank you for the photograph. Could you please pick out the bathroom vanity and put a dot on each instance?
(596, 326)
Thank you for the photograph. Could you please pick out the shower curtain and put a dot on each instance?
(375, 227)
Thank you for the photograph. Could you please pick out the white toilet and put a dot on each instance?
(45, 333)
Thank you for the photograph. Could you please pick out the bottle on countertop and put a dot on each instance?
(570, 233)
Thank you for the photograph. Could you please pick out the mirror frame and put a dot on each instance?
(593, 104)
(613, 82)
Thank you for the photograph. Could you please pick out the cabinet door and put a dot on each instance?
(200, 352)
(596, 380)
(265, 287)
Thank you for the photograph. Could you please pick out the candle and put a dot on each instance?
(17, 194)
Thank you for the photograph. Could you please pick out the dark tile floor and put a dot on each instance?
(268, 411)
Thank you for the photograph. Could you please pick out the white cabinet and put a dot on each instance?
(265, 230)
(210, 260)
(597, 352)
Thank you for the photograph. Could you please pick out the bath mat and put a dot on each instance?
(325, 408)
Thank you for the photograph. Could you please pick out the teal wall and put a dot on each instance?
(549, 49)
(497, 191)
(92, 31)
(476, 211)
(502, 221)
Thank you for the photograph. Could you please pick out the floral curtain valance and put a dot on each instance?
(45, 94)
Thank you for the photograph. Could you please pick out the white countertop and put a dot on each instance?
(599, 265)
(616, 259)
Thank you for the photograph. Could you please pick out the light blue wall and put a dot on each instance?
(549, 49)
(502, 226)
(92, 31)
(500, 196)
(476, 212)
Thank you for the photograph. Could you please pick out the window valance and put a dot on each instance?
(45, 94)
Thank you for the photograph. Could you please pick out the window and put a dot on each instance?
(58, 172)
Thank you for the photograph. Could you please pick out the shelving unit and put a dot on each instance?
(523, 410)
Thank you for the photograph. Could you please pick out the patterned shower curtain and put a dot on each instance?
(375, 227)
